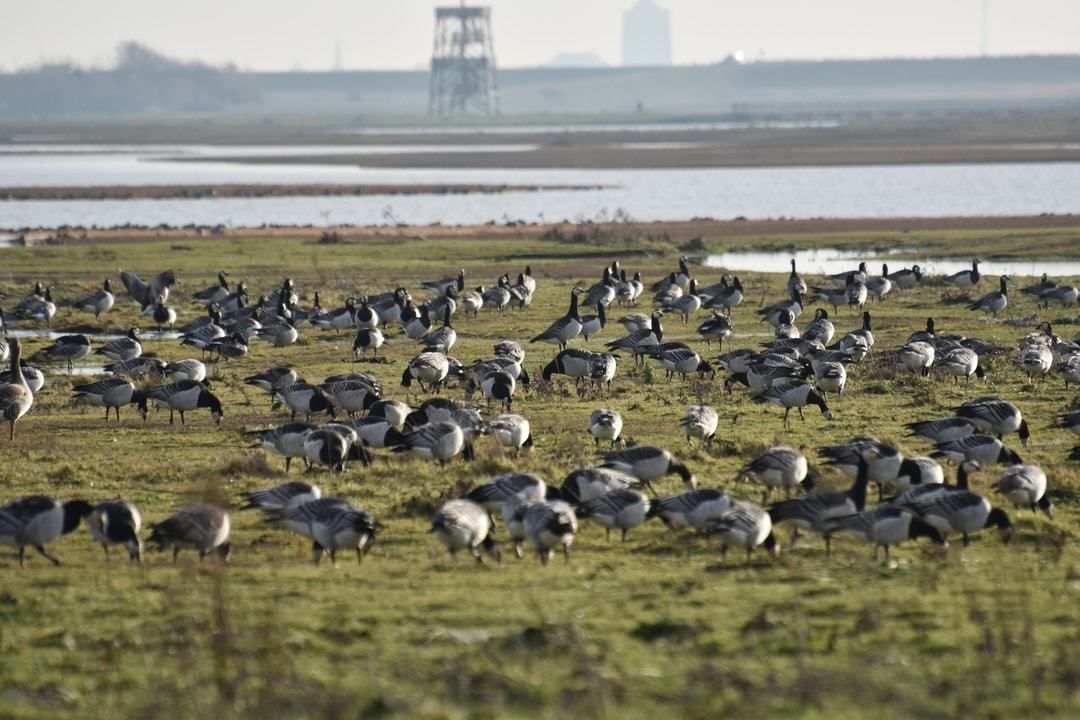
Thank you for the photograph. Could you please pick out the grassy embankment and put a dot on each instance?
(624, 630)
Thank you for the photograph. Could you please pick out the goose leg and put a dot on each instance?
(41, 550)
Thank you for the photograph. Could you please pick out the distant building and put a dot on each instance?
(576, 60)
(646, 35)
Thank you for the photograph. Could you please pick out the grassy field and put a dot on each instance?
(656, 624)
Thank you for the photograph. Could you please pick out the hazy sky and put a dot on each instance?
(302, 34)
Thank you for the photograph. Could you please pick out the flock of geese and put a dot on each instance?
(799, 367)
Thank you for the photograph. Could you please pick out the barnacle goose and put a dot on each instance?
(619, 509)
(992, 415)
(37, 520)
(993, 302)
(985, 449)
(820, 328)
(640, 341)
(98, 301)
(906, 278)
(565, 328)
(499, 386)
(281, 497)
(125, 348)
(817, 510)
(549, 525)
(306, 398)
(961, 511)
(966, 278)
(744, 525)
(1025, 486)
(443, 284)
(503, 488)
(186, 395)
(687, 304)
(431, 368)
(286, 440)
(439, 441)
(797, 395)
(778, 467)
(68, 348)
(961, 362)
(884, 461)
(716, 328)
(215, 293)
(332, 524)
(943, 430)
(887, 526)
(794, 282)
(203, 527)
(917, 357)
(352, 396)
(188, 369)
(929, 487)
(15, 397)
(606, 424)
(464, 525)
(692, 509)
(880, 286)
(440, 340)
(111, 393)
(728, 297)
(593, 324)
(115, 522)
(648, 463)
(700, 422)
(511, 431)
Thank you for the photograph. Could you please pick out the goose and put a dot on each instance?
(1069, 371)
(700, 422)
(984, 449)
(993, 302)
(286, 440)
(647, 463)
(928, 335)
(279, 334)
(785, 327)
(434, 410)
(111, 393)
(635, 322)
(440, 340)
(509, 349)
(332, 524)
(887, 526)
(962, 363)
(332, 445)
(794, 282)
(337, 319)
(565, 328)
(737, 361)
(880, 286)
(830, 377)
(931, 486)
(511, 431)
(443, 284)
(866, 333)
(966, 278)
(189, 369)
(1038, 288)
(439, 306)
(203, 527)
(237, 300)
(744, 525)
(520, 295)
(820, 328)
(34, 378)
(115, 522)
(68, 348)
(15, 397)
(640, 342)
(572, 362)
(352, 396)
(439, 441)
(620, 509)
(493, 495)
(216, 293)
(772, 313)
(202, 335)
(906, 278)
(390, 307)
(855, 291)
(991, 415)
(185, 395)
(603, 292)
(281, 497)
(1025, 486)
(794, 395)
(1064, 294)
(547, 525)
(682, 277)
(377, 432)
(716, 328)
(730, 297)
(393, 411)
(148, 294)
(778, 467)
(593, 324)
(365, 316)
(464, 525)
(1036, 360)
(499, 386)
(606, 424)
(918, 472)
(695, 509)
(833, 296)
(917, 357)
(273, 378)
(306, 398)
(883, 461)
(431, 368)
(34, 298)
(497, 297)
(682, 361)
(37, 520)
(163, 315)
(1069, 421)
(473, 300)
(687, 304)
(368, 339)
(961, 511)
(817, 510)
(37, 308)
(98, 301)
(125, 348)
(859, 275)
(630, 290)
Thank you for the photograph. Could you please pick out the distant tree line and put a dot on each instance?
(143, 81)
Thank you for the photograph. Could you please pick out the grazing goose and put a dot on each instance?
(332, 524)
(883, 461)
(820, 328)
(125, 348)
(510, 349)
(593, 324)
(572, 362)
(98, 301)
(681, 361)
(229, 347)
(464, 525)
(647, 463)
(1025, 486)
(887, 526)
(203, 334)
(393, 411)
(929, 487)
(352, 396)
(744, 525)
(585, 484)
(281, 497)
(716, 328)
(961, 363)
(830, 377)
(273, 378)
(778, 467)
(443, 284)
(794, 282)
(37, 520)
(999, 417)
(695, 509)
(817, 510)
(511, 431)
(794, 395)
(439, 441)
(68, 348)
(833, 296)
(984, 449)
(368, 339)
(281, 334)
(1069, 421)
(1036, 360)
(440, 340)
(203, 527)
(917, 472)
(565, 328)
(1064, 294)
(619, 509)
(499, 386)
(549, 525)
(35, 379)
(115, 522)
(772, 314)
(700, 422)
(729, 297)
(906, 278)
(635, 322)
(965, 278)
(493, 495)
(434, 410)
(111, 393)
(15, 397)
(993, 302)
(1069, 371)
(606, 424)
(943, 430)
(306, 398)
(186, 395)
(377, 431)
(189, 369)
(1038, 288)
(286, 440)
(917, 357)
(961, 511)
(640, 342)
(880, 286)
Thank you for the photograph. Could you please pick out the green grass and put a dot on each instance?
(653, 625)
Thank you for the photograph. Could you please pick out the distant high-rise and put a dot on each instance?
(646, 35)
